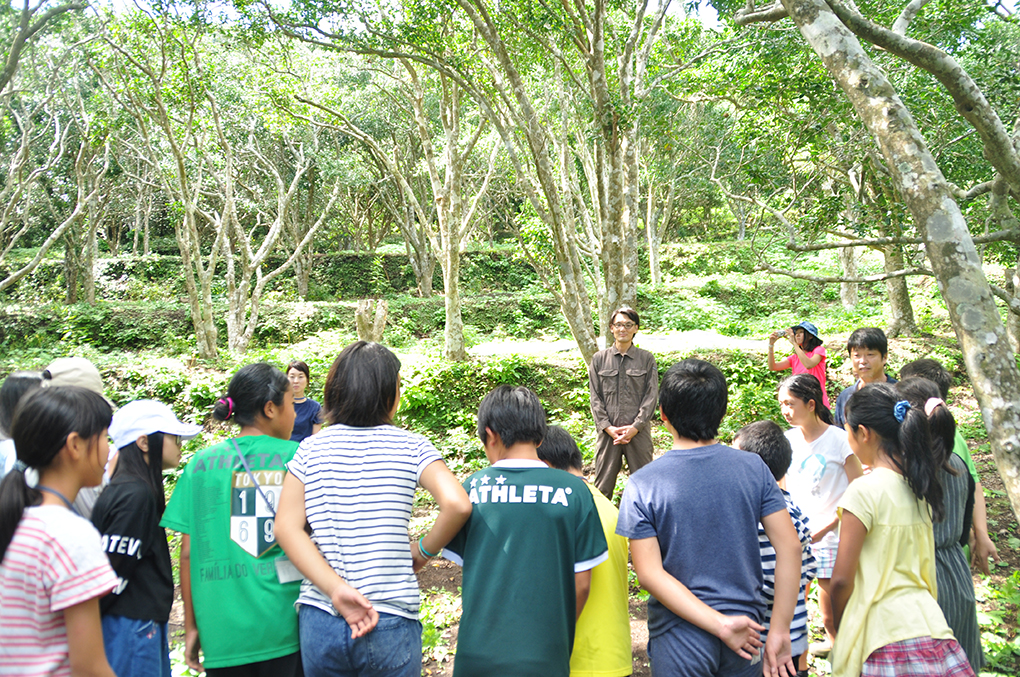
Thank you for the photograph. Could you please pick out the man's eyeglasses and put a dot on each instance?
(623, 325)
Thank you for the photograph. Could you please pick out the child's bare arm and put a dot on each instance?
(853, 468)
(192, 643)
(983, 545)
(841, 585)
(85, 640)
(359, 613)
(582, 586)
(454, 509)
(739, 633)
(783, 537)
(773, 365)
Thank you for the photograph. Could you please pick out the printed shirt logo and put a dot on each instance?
(501, 492)
(252, 523)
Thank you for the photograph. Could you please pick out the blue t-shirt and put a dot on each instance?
(306, 414)
(703, 505)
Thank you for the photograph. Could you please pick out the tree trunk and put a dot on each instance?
(146, 249)
(136, 235)
(89, 259)
(303, 272)
(72, 266)
(199, 289)
(370, 319)
(848, 291)
(901, 312)
(1012, 317)
(652, 233)
(453, 334)
(423, 262)
(991, 364)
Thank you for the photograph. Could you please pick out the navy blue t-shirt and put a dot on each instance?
(703, 505)
(839, 413)
(306, 414)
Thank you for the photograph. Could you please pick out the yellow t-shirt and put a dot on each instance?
(894, 588)
(602, 639)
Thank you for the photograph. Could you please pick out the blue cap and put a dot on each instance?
(809, 328)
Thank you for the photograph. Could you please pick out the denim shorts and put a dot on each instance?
(392, 648)
(136, 648)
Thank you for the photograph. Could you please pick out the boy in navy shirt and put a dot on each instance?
(692, 519)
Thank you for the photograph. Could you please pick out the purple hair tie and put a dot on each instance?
(230, 407)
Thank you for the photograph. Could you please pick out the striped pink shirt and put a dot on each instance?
(54, 562)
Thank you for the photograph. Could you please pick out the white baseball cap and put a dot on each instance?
(145, 417)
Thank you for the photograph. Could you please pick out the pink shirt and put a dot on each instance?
(55, 561)
(818, 371)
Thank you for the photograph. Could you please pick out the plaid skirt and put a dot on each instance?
(918, 657)
(825, 559)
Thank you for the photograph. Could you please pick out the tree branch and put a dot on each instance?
(907, 15)
(750, 15)
(998, 236)
(1011, 302)
(967, 96)
(830, 279)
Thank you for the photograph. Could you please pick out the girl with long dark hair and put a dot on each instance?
(823, 466)
(52, 567)
(237, 587)
(955, 585)
(883, 584)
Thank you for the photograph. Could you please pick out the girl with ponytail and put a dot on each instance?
(821, 469)
(883, 584)
(955, 585)
(238, 588)
(52, 567)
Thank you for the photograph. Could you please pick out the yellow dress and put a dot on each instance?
(602, 645)
(894, 588)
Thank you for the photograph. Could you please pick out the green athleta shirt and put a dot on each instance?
(531, 528)
(244, 614)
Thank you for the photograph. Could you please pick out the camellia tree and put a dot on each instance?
(834, 30)
(203, 119)
(562, 86)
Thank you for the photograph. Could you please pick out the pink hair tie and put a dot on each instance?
(931, 403)
(230, 407)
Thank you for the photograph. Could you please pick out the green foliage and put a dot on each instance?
(439, 396)
(752, 391)
(1002, 652)
(440, 609)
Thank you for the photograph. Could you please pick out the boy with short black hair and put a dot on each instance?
(868, 349)
(602, 643)
(692, 519)
(527, 550)
(767, 440)
(983, 545)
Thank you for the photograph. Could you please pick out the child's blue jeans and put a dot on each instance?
(136, 647)
(392, 648)
(685, 649)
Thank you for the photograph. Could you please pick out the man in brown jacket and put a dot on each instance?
(624, 387)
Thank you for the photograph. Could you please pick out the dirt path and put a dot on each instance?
(672, 342)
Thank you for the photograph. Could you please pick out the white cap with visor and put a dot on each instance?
(145, 417)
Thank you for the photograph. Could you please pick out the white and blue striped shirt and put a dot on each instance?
(798, 627)
(359, 491)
